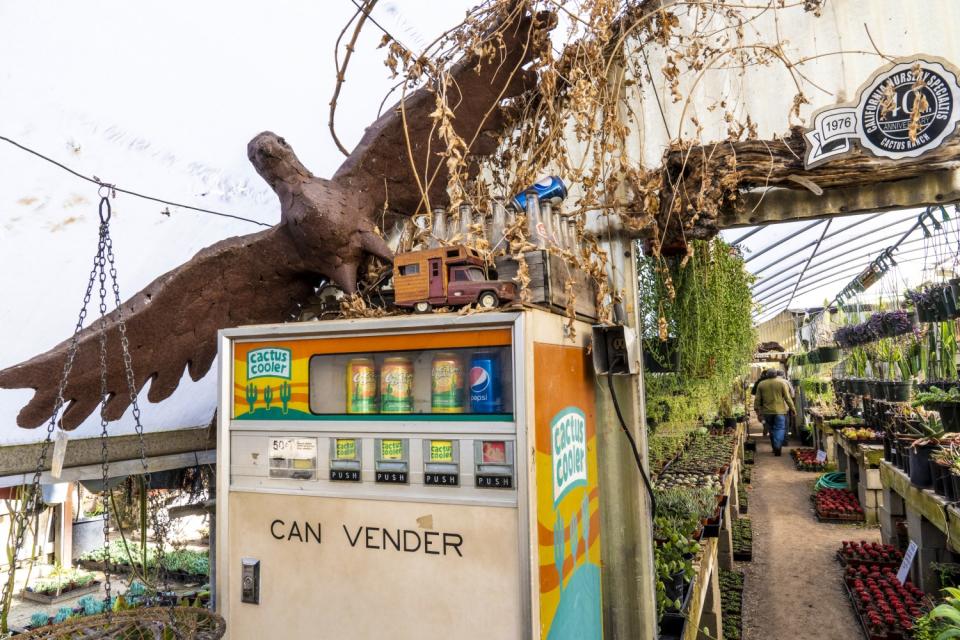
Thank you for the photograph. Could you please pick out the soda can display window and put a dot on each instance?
(438, 384)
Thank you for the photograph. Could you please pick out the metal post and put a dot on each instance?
(629, 576)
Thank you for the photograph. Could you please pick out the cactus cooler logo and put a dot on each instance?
(568, 431)
(269, 362)
(271, 383)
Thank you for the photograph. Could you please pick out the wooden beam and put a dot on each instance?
(18, 459)
(763, 181)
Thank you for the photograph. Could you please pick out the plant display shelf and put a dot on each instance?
(824, 437)
(717, 553)
(861, 463)
(932, 522)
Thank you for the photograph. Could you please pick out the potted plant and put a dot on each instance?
(931, 430)
(941, 463)
(923, 301)
(945, 403)
(829, 353)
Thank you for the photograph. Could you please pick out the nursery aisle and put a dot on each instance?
(793, 589)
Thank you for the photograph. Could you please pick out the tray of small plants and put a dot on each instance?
(806, 459)
(703, 464)
(731, 604)
(745, 474)
(743, 540)
(743, 500)
(837, 505)
(863, 435)
(885, 607)
(185, 565)
(63, 583)
(872, 554)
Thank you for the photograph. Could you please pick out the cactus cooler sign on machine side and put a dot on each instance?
(568, 497)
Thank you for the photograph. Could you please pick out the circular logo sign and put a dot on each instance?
(908, 110)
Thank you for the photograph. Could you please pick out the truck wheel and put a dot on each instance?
(421, 307)
(488, 300)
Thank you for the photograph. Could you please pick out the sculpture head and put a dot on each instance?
(275, 160)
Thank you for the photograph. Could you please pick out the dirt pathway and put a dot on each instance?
(792, 588)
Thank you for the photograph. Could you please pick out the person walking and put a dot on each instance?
(764, 375)
(772, 402)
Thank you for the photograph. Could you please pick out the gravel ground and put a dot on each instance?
(792, 588)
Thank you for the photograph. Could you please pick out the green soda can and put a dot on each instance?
(361, 386)
(396, 386)
(446, 384)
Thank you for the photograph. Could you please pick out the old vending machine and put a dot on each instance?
(410, 477)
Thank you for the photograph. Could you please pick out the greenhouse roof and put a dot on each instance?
(805, 264)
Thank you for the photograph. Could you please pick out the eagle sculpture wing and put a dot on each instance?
(171, 324)
(394, 161)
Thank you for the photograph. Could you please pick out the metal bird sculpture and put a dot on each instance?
(326, 229)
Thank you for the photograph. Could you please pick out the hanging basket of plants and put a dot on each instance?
(184, 623)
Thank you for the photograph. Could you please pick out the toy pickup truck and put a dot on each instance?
(454, 275)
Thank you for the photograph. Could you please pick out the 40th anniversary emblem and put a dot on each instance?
(906, 109)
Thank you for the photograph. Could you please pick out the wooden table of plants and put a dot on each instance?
(861, 462)
(705, 607)
(823, 433)
(932, 523)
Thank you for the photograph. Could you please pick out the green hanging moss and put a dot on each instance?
(695, 311)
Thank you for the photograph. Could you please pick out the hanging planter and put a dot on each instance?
(186, 623)
(828, 354)
(899, 391)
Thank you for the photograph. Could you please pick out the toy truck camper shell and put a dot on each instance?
(454, 275)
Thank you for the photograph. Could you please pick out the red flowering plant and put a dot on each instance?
(806, 460)
(872, 554)
(839, 504)
(886, 607)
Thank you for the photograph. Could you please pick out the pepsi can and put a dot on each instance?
(485, 383)
(550, 189)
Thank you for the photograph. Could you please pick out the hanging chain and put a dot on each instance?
(33, 495)
(159, 527)
(104, 395)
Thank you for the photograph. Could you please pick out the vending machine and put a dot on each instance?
(412, 477)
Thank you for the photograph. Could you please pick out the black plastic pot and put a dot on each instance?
(949, 302)
(899, 391)
(938, 473)
(924, 313)
(955, 481)
(920, 465)
(858, 386)
(955, 287)
(828, 354)
(949, 415)
(674, 586)
(950, 491)
(729, 423)
(939, 308)
(888, 448)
